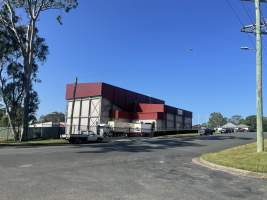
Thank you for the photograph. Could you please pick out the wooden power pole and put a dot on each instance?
(258, 29)
(73, 105)
(260, 140)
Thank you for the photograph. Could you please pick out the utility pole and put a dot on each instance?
(260, 140)
(258, 29)
(73, 105)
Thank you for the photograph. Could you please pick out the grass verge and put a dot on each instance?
(242, 157)
(35, 142)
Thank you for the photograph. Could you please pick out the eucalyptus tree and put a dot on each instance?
(30, 12)
(11, 77)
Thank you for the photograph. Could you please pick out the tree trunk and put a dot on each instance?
(13, 129)
(24, 134)
(28, 61)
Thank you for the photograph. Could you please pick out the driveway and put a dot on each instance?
(126, 169)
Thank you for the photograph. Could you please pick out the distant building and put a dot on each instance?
(243, 127)
(47, 124)
(230, 125)
(101, 103)
(236, 128)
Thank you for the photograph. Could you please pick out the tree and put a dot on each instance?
(235, 119)
(12, 22)
(11, 77)
(54, 117)
(251, 121)
(216, 120)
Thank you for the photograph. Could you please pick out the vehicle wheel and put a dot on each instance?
(72, 141)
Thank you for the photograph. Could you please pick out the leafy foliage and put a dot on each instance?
(54, 117)
(18, 20)
(216, 120)
(12, 76)
(236, 119)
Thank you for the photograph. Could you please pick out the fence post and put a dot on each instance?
(7, 134)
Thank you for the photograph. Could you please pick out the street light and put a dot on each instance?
(247, 49)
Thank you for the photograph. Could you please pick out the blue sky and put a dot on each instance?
(143, 45)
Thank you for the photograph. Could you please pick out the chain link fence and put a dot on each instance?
(6, 134)
(33, 133)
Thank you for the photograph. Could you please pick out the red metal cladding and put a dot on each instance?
(137, 116)
(149, 116)
(150, 108)
(122, 115)
(84, 90)
(170, 109)
(126, 99)
(130, 102)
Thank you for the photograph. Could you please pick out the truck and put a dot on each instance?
(102, 134)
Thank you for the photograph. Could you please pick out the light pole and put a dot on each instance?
(247, 48)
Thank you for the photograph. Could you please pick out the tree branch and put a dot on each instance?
(13, 26)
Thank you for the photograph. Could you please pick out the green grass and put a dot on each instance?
(242, 157)
(35, 142)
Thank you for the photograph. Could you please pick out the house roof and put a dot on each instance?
(229, 125)
(242, 126)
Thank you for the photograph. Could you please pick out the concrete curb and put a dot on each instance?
(229, 170)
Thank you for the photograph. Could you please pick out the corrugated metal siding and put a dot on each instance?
(130, 106)
(126, 99)
(84, 90)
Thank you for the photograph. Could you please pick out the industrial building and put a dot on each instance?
(101, 103)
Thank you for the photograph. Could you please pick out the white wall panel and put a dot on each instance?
(85, 108)
(84, 122)
(94, 121)
(95, 107)
(75, 121)
(69, 108)
(76, 112)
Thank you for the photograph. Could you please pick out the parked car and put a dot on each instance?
(206, 131)
(227, 130)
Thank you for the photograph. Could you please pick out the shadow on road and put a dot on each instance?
(136, 145)
(139, 144)
(150, 144)
(220, 137)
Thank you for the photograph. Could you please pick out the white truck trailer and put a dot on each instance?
(82, 125)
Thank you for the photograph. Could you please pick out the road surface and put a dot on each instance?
(128, 169)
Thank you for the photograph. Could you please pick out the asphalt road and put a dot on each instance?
(135, 169)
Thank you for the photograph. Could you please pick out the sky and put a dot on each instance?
(185, 52)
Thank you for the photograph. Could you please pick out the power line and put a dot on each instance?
(239, 20)
(247, 12)
(249, 36)
(235, 12)
(251, 18)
